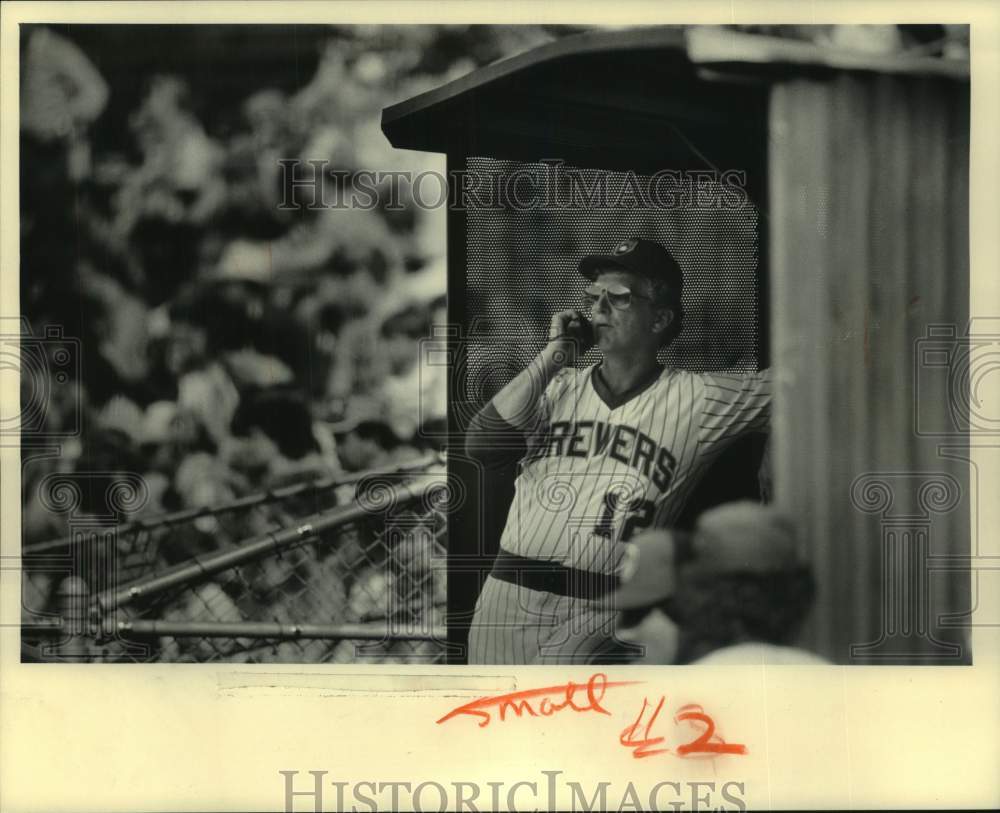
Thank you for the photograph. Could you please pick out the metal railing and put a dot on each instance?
(364, 581)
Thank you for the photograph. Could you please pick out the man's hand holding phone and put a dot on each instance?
(571, 334)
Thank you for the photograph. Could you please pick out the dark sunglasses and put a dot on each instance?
(619, 296)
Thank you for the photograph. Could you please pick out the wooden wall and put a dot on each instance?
(869, 227)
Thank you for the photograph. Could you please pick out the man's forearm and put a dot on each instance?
(517, 402)
(496, 435)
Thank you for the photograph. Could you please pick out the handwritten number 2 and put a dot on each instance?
(704, 744)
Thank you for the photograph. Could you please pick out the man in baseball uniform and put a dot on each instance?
(604, 452)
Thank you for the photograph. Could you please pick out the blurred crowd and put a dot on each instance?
(220, 344)
(227, 344)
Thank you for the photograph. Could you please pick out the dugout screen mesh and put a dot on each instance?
(522, 256)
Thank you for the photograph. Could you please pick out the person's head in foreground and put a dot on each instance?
(633, 300)
(734, 591)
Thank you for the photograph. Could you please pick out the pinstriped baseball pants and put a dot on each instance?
(517, 625)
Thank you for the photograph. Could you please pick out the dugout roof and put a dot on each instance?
(637, 99)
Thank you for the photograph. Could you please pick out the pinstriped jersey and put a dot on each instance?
(594, 473)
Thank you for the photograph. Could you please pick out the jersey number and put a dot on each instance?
(639, 515)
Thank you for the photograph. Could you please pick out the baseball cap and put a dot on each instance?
(745, 536)
(639, 256)
(738, 537)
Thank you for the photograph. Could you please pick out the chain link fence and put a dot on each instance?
(331, 571)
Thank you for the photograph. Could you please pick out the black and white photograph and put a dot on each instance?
(561, 403)
(316, 319)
